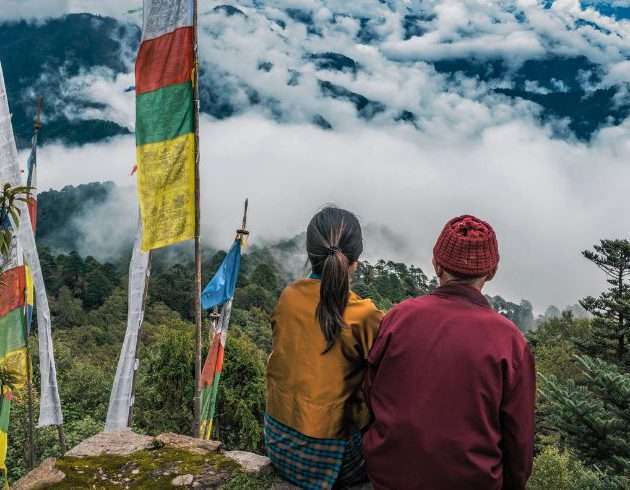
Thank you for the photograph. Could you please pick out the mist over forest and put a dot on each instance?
(406, 112)
(414, 107)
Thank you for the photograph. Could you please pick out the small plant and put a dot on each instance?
(9, 197)
(561, 470)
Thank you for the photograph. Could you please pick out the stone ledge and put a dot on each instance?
(133, 460)
(44, 476)
(252, 464)
(121, 443)
(188, 443)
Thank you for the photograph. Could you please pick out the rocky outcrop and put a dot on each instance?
(252, 464)
(188, 443)
(44, 476)
(119, 443)
(127, 460)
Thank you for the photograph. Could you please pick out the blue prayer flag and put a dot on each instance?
(221, 288)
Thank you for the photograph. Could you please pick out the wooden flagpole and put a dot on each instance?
(30, 459)
(198, 321)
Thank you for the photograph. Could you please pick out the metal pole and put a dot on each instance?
(198, 321)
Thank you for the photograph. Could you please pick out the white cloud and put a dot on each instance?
(548, 199)
(618, 73)
(520, 45)
(98, 93)
(472, 151)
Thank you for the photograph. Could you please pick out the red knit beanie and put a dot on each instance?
(467, 246)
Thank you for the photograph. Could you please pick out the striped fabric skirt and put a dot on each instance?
(314, 464)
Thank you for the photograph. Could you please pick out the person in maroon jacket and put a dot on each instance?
(450, 382)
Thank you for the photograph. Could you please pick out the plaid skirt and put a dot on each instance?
(314, 464)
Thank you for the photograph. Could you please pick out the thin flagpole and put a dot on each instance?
(31, 419)
(29, 382)
(198, 321)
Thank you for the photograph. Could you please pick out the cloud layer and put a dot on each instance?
(547, 201)
(412, 144)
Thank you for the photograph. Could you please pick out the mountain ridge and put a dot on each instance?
(76, 44)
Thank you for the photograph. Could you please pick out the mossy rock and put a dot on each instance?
(152, 468)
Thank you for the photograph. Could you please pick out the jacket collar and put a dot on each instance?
(464, 292)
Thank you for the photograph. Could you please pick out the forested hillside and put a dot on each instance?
(89, 307)
(583, 363)
(516, 107)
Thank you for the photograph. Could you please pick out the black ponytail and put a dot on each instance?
(334, 242)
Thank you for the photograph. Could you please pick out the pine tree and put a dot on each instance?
(611, 309)
(592, 415)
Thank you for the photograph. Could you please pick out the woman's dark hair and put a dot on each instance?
(333, 242)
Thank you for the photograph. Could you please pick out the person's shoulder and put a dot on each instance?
(298, 290)
(504, 327)
(363, 308)
(300, 286)
(412, 305)
(503, 321)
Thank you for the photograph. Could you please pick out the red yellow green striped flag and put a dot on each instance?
(211, 375)
(13, 357)
(165, 139)
(16, 313)
(13, 324)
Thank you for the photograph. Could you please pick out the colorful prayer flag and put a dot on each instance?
(13, 293)
(13, 326)
(165, 140)
(31, 183)
(13, 336)
(222, 286)
(121, 398)
(211, 374)
(219, 291)
(25, 251)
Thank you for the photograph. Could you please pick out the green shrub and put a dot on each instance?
(560, 470)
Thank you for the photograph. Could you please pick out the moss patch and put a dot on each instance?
(153, 469)
(241, 481)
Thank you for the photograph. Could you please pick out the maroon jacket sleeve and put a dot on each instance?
(517, 422)
(377, 352)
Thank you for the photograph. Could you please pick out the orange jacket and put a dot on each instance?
(319, 395)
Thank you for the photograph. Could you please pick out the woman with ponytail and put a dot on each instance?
(322, 334)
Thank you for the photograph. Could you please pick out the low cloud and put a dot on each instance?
(464, 150)
(95, 94)
(547, 202)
